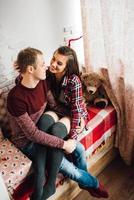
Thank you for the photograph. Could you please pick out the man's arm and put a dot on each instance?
(32, 132)
(69, 145)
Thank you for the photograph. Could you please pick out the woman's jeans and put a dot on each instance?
(77, 170)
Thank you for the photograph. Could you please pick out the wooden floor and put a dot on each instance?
(118, 178)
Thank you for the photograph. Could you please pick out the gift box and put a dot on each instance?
(101, 125)
(14, 165)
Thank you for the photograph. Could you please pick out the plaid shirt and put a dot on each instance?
(72, 88)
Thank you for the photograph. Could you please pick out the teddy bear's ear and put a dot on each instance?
(84, 76)
(103, 81)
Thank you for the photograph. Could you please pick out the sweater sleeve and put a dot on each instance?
(17, 109)
(34, 134)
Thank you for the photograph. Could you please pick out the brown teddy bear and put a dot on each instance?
(94, 92)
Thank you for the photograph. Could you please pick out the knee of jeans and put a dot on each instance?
(68, 169)
(58, 129)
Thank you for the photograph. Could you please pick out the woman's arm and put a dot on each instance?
(77, 105)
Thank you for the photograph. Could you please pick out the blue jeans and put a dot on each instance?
(77, 170)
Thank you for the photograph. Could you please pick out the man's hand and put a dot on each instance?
(69, 145)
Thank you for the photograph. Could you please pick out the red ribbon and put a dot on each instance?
(73, 39)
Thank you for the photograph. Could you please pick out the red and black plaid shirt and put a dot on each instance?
(73, 97)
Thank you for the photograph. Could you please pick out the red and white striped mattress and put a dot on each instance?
(102, 125)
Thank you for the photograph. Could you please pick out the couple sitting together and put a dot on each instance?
(47, 112)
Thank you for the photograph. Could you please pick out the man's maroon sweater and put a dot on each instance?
(25, 107)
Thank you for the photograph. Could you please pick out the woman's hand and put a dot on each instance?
(80, 128)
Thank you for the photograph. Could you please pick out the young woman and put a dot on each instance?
(62, 115)
(63, 80)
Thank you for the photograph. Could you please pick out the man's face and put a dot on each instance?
(39, 72)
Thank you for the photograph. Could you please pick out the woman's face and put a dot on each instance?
(58, 64)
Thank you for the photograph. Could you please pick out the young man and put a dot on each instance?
(27, 101)
(26, 104)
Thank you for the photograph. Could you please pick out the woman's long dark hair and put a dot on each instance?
(72, 67)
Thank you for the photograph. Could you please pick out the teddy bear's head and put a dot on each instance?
(91, 82)
(93, 90)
